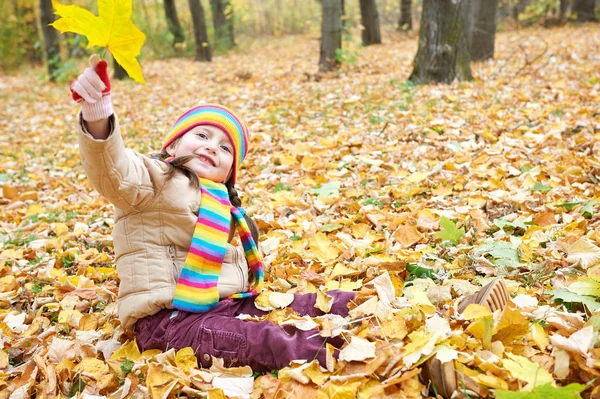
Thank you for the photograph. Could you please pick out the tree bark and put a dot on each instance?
(50, 39)
(203, 52)
(331, 35)
(173, 22)
(405, 22)
(444, 52)
(371, 33)
(564, 6)
(222, 14)
(119, 72)
(584, 10)
(484, 29)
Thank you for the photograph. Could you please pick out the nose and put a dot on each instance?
(211, 146)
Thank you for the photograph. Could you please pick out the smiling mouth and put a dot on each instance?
(206, 160)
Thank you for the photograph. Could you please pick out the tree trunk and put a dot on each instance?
(584, 10)
(222, 14)
(173, 22)
(484, 29)
(331, 35)
(444, 52)
(203, 52)
(371, 33)
(120, 72)
(50, 39)
(405, 22)
(564, 6)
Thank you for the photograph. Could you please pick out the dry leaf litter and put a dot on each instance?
(413, 197)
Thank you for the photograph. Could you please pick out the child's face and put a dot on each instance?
(213, 151)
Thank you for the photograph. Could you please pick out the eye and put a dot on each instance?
(202, 135)
(226, 148)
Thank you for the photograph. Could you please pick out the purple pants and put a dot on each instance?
(263, 346)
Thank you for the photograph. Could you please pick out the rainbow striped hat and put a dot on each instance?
(215, 115)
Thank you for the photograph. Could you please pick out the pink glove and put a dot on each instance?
(92, 90)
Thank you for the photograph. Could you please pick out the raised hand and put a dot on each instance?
(92, 90)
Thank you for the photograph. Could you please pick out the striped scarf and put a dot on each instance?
(196, 289)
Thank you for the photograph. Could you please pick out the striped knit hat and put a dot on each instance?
(214, 115)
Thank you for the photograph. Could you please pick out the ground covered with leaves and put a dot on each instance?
(412, 196)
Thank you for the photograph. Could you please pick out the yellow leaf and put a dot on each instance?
(3, 359)
(186, 360)
(476, 311)
(323, 301)
(128, 351)
(93, 368)
(263, 301)
(540, 336)
(512, 325)
(407, 235)
(70, 317)
(112, 28)
(60, 229)
(33, 209)
(339, 389)
(492, 381)
(525, 370)
(159, 383)
(216, 393)
(323, 248)
(419, 300)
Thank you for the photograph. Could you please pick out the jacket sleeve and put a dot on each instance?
(127, 179)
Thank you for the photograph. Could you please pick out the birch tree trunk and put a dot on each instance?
(484, 29)
(203, 52)
(50, 39)
(371, 33)
(331, 35)
(444, 52)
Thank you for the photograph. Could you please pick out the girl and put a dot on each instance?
(182, 283)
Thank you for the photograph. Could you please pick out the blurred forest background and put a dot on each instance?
(232, 25)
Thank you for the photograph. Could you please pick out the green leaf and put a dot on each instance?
(568, 296)
(127, 366)
(569, 206)
(331, 227)
(280, 187)
(546, 391)
(587, 210)
(420, 271)
(450, 232)
(330, 188)
(540, 187)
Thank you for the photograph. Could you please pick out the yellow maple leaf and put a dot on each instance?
(112, 28)
(186, 360)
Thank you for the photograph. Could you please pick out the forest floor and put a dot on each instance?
(412, 196)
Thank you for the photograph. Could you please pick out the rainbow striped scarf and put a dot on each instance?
(196, 289)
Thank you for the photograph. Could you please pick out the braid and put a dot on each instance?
(235, 200)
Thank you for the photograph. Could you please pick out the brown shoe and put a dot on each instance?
(442, 376)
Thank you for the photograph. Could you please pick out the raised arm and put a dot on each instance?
(127, 179)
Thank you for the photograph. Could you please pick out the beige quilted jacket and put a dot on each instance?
(154, 221)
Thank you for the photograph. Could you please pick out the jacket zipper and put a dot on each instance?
(173, 261)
